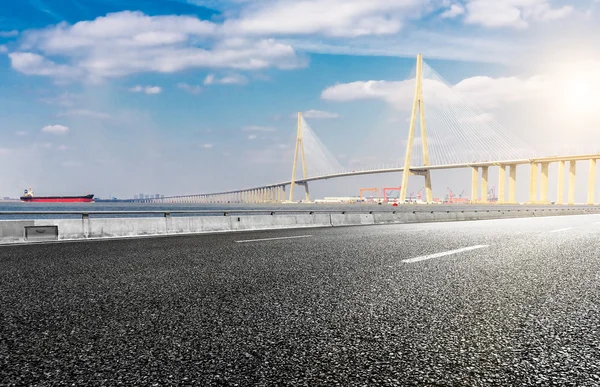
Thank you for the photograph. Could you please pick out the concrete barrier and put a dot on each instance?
(351, 219)
(14, 231)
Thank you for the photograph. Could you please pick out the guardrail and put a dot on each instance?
(45, 226)
(396, 210)
(168, 213)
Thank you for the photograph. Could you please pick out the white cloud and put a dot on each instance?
(125, 43)
(209, 80)
(55, 129)
(146, 89)
(21, 133)
(3, 49)
(34, 64)
(192, 89)
(255, 128)
(486, 92)
(8, 34)
(207, 146)
(233, 79)
(454, 11)
(319, 114)
(386, 90)
(337, 18)
(252, 137)
(62, 148)
(489, 92)
(512, 13)
(153, 90)
(83, 113)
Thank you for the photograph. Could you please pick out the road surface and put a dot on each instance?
(501, 302)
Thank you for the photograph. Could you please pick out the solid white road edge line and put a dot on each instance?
(273, 239)
(445, 253)
(562, 229)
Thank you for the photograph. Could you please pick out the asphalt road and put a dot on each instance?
(518, 304)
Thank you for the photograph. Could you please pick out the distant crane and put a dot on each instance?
(386, 190)
(450, 196)
(374, 190)
(419, 194)
(453, 199)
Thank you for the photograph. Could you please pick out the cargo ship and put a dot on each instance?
(29, 197)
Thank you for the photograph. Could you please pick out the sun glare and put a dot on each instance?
(580, 95)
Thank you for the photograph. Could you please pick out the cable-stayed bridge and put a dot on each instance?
(446, 131)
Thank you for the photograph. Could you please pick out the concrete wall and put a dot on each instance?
(13, 231)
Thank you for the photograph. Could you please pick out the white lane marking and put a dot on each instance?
(273, 239)
(438, 255)
(562, 229)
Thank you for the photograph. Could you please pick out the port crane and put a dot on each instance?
(386, 190)
(450, 196)
(373, 190)
(419, 194)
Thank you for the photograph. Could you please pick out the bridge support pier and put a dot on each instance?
(512, 184)
(533, 183)
(502, 185)
(544, 184)
(474, 183)
(561, 183)
(572, 173)
(591, 182)
(484, 184)
(306, 190)
(428, 190)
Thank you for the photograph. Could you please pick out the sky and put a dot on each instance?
(118, 97)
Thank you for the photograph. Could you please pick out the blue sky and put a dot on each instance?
(117, 97)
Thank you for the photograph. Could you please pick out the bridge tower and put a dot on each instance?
(418, 105)
(299, 146)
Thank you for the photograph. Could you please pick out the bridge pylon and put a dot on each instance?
(418, 106)
(299, 147)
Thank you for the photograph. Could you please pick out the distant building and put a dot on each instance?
(156, 196)
(135, 196)
(141, 196)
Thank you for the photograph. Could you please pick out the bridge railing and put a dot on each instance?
(25, 215)
(168, 213)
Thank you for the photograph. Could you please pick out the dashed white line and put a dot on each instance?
(273, 239)
(443, 254)
(562, 229)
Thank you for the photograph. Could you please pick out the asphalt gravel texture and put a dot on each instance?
(337, 306)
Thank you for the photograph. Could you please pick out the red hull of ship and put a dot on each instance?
(59, 199)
